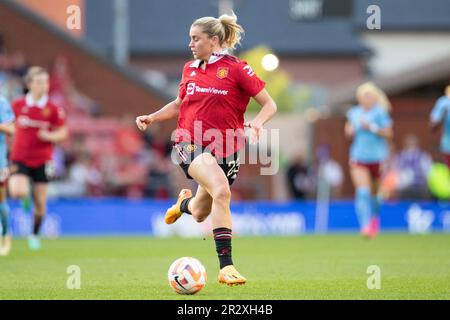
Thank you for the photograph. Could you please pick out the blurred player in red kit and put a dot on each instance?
(38, 125)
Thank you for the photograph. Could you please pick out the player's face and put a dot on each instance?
(39, 84)
(367, 99)
(201, 45)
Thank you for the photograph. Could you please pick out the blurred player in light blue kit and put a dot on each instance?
(440, 116)
(370, 126)
(6, 127)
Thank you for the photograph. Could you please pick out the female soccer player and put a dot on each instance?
(6, 128)
(370, 126)
(213, 95)
(440, 115)
(39, 124)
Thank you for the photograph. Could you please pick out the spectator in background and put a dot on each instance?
(12, 70)
(299, 178)
(330, 171)
(18, 64)
(413, 165)
(82, 178)
(159, 184)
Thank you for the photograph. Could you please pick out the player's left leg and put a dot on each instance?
(376, 204)
(362, 181)
(40, 190)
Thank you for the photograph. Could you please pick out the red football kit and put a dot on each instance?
(214, 103)
(31, 116)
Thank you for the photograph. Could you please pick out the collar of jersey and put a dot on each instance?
(41, 103)
(215, 56)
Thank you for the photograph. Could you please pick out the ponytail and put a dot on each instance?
(225, 28)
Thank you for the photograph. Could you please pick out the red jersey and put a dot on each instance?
(214, 103)
(32, 116)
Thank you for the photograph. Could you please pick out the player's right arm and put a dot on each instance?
(6, 117)
(349, 130)
(167, 112)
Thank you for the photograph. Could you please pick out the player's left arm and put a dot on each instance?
(59, 131)
(268, 109)
(381, 127)
(57, 135)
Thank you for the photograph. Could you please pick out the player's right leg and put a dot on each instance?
(19, 186)
(363, 199)
(199, 206)
(40, 191)
(5, 245)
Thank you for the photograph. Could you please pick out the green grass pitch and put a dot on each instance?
(304, 267)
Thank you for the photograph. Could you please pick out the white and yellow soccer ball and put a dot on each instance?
(187, 275)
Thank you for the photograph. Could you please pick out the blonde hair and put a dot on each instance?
(225, 28)
(34, 71)
(381, 97)
(447, 90)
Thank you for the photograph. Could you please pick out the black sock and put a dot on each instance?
(184, 205)
(37, 224)
(222, 237)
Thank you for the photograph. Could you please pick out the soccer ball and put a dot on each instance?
(187, 275)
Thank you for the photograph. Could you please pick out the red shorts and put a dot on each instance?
(447, 159)
(374, 168)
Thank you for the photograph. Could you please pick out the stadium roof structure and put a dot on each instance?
(406, 15)
(161, 27)
(340, 99)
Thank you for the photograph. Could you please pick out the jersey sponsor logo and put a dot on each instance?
(26, 122)
(222, 73)
(192, 88)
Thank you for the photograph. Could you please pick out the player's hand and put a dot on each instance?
(44, 135)
(255, 131)
(365, 125)
(143, 122)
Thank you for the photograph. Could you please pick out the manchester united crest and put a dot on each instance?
(46, 112)
(222, 73)
(191, 148)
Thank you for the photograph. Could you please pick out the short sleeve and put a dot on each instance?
(349, 114)
(6, 113)
(250, 83)
(384, 120)
(15, 107)
(438, 112)
(59, 118)
(182, 85)
(352, 118)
